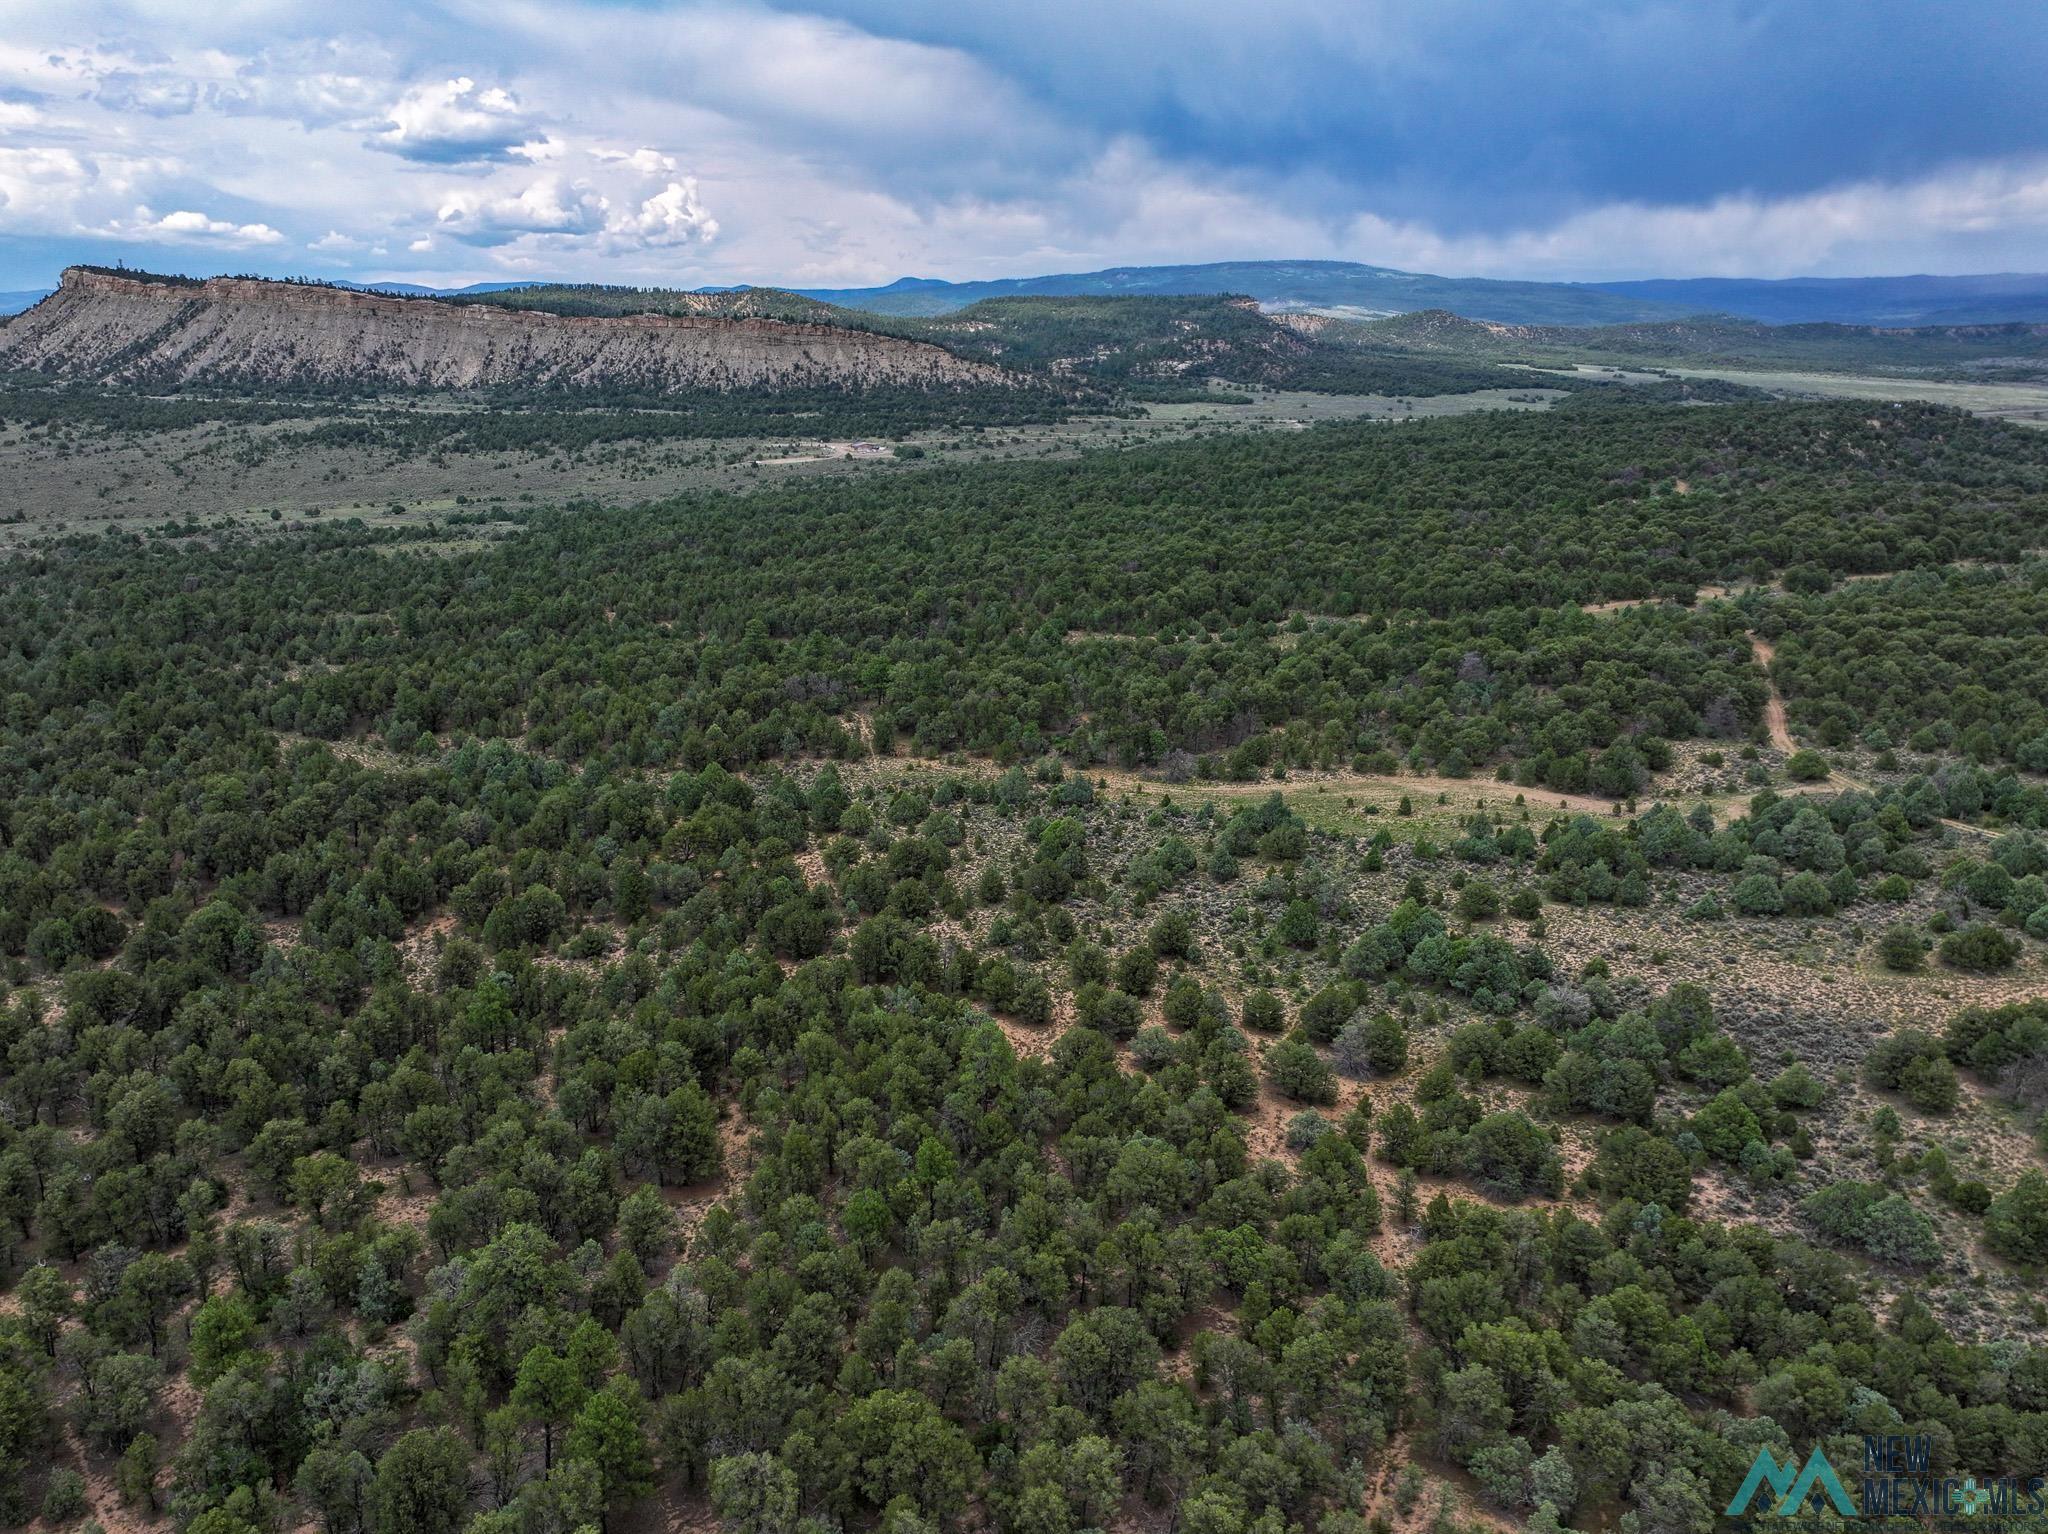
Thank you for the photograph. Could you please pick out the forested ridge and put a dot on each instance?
(501, 1041)
(1123, 606)
(2014, 351)
(1135, 340)
(532, 420)
(1080, 351)
(1933, 658)
(1131, 343)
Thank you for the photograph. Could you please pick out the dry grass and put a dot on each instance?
(242, 474)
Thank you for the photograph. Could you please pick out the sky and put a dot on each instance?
(685, 144)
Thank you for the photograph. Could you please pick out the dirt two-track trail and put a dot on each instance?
(1775, 719)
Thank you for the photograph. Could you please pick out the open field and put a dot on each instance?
(259, 477)
(2024, 404)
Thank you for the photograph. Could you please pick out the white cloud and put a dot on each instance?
(314, 83)
(1130, 207)
(154, 93)
(186, 224)
(649, 162)
(673, 216)
(593, 198)
(32, 181)
(1862, 227)
(714, 141)
(55, 189)
(548, 205)
(452, 122)
(818, 88)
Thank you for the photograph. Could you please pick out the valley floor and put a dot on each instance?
(264, 478)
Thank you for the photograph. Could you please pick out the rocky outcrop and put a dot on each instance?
(114, 327)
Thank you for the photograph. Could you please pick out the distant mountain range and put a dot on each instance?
(1368, 291)
(1362, 291)
(2011, 351)
(1352, 290)
(1995, 299)
(414, 290)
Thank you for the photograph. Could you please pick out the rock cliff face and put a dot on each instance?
(111, 327)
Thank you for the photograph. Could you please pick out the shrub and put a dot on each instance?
(1929, 1085)
(1324, 1014)
(1153, 1048)
(1807, 894)
(1980, 947)
(1375, 1046)
(1635, 1163)
(1183, 1004)
(1914, 1064)
(1883, 1224)
(1725, 1126)
(1758, 895)
(1115, 1013)
(2016, 1223)
(1297, 926)
(1263, 1013)
(1797, 1087)
(1513, 1156)
(1478, 901)
(1902, 948)
(1305, 1128)
(1136, 971)
(1298, 1072)
(63, 1496)
(1806, 767)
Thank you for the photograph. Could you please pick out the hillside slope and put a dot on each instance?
(1149, 343)
(121, 327)
(1985, 298)
(1363, 292)
(593, 298)
(1347, 285)
(1934, 350)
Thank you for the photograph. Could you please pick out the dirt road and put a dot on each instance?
(1774, 705)
(1463, 791)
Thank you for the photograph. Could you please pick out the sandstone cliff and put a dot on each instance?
(113, 327)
